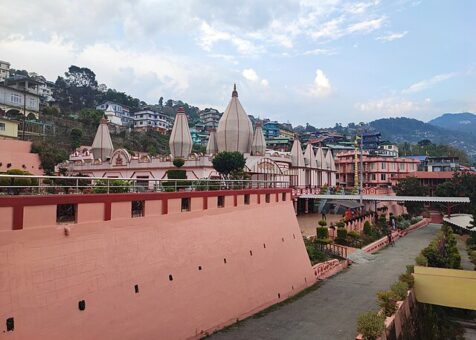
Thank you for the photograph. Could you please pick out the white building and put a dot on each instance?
(210, 118)
(147, 119)
(122, 112)
(19, 96)
(4, 70)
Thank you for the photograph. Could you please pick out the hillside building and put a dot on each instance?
(148, 119)
(378, 171)
(210, 118)
(8, 128)
(117, 114)
(4, 70)
(19, 96)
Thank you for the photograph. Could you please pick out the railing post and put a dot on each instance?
(107, 181)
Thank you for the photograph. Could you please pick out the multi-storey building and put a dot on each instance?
(19, 96)
(387, 149)
(437, 164)
(377, 170)
(4, 70)
(210, 118)
(121, 111)
(147, 119)
(45, 89)
(271, 129)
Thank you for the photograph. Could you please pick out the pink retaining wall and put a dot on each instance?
(195, 271)
(15, 154)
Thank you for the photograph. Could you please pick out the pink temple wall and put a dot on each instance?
(46, 273)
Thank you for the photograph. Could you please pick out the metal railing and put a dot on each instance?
(44, 185)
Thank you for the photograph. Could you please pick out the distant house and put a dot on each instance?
(271, 129)
(210, 118)
(147, 119)
(122, 112)
(387, 149)
(19, 96)
(4, 70)
(8, 128)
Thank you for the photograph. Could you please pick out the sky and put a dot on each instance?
(301, 61)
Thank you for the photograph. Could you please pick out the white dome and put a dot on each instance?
(235, 131)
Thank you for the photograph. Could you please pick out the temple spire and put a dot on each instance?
(235, 92)
(180, 139)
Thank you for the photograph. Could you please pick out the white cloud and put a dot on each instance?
(321, 86)
(366, 26)
(209, 36)
(392, 36)
(320, 51)
(250, 74)
(428, 83)
(393, 106)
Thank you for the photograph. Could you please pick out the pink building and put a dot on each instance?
(378, 171)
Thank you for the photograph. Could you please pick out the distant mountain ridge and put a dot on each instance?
(465, 121)
(401, 130)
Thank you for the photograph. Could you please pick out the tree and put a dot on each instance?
(161, 101)
(411, 186)
(461, 185)
(75, 138)
(226, 162)
(178, 162)
(90, 117)
(77, 90)
(424, 142)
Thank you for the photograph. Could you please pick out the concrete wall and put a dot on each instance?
(222, 264)
(15, 154)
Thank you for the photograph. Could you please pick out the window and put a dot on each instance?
(15, 98)
(186, 204)
(137, 208)
(383, 177)
(66, 213)
(221, 201)
(2, 126)
(32, 102)
(383, 165)
(247, 199)
(373, 177)
(402, 166)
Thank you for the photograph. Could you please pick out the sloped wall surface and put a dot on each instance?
(173, 276)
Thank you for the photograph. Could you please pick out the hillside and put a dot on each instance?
(400, 130)
(464, 121)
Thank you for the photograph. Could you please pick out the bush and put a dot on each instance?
(371, 325)
(421, 260)
(408, 279)
(353, 235)
(387, 300)
(340, 224)
(341, 236)
(322, 233)
(400, 289)
(115, 186)
(367, 228)
(322, 223)
(176, 174)
(178, 162)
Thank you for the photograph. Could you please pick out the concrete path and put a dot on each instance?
(466, 263)
(331, 311)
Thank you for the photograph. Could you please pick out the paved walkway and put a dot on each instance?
(466, 263)
(331, 311)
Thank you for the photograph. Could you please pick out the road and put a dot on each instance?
(331, 311)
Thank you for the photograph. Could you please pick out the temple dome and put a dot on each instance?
(212, 147)
(180, 141)
(258, 147)
(235, 131)
(102, 147)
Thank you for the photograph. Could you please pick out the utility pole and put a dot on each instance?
(361, 166)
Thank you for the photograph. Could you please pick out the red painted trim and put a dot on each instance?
(107, 211)
(14, 201)
(17, 217)
(277, 197)
(235, 200)
(165, 206)
(259, 198)
(205, 203)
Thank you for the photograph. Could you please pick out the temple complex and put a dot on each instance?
(314, 167)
